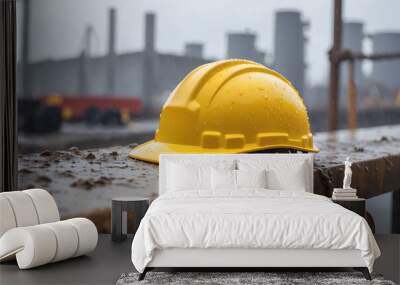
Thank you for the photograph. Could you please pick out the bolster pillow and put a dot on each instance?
(40, 244)
(26, 208)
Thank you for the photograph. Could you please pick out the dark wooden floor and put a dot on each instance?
(103, 266)
(110, 260)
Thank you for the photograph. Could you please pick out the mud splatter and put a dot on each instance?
(25, 171)
(90, 183)
(90, 156)
(138, 178)
(43, 179)
(46, 153)
(67, 173)
(75, 150)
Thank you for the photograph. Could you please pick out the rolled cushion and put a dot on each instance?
(66, 238)
(33, 246)
(41, 244)
(87, 234)
(26, 208)
(23, 208)
(7, 219)
(46, 207)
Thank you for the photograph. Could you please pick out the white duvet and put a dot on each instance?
(250, 219)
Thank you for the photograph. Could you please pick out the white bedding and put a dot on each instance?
(250, 219)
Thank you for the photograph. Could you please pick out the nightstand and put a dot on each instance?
(119, 215)
(355, 205)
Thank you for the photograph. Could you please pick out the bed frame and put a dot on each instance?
(242, 259)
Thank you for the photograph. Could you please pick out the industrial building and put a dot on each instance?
(194, 50)
(148, 74)
(289, 47)
(151, 75)
(243, 46)
(352, 39)
(386, 72)
(143, 73)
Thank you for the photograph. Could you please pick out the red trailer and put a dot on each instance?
(94, 109)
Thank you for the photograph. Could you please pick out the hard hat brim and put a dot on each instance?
(151, 150)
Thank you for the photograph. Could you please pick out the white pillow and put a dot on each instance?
(223, 179)
(251, 178)
(278, 180)
(283, 172)
(186, 174)
(182, 177)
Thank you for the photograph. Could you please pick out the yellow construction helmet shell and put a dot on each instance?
(230, 106)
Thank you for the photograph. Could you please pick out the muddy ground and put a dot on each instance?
(84, 181)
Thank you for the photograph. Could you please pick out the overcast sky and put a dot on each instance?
(58, 25)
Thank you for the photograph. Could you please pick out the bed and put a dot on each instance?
(247, 210)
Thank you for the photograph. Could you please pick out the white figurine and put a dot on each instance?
(347, 174)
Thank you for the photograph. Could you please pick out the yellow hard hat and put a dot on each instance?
(230, 106)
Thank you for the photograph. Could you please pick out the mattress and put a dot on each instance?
(251, 219)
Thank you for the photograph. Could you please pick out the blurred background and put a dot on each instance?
(95, 73)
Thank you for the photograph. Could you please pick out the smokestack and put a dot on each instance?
(150, 32)
(111, 51)
(84, 62)
(111, 31)
(87, 40)
(82, 74)
(386, 72)
(241, 45)
(149, 83)
(289, 47)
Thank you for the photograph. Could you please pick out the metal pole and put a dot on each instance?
(375, 56)
(351, 98)
(334, 68)
(8, 100)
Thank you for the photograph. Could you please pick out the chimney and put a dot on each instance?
(111, 51)
(149, 83)
(84, 62)
(111, 31)
(150, 32)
